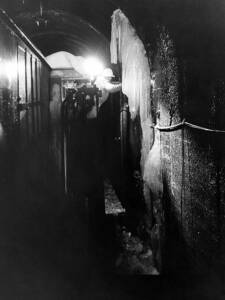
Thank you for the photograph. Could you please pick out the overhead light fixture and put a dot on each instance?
(40, 20)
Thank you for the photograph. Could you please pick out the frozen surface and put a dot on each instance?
(127, 48)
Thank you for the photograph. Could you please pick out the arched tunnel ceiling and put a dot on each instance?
(57, 30)
(83, 26)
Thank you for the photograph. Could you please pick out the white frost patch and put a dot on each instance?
(127, 48)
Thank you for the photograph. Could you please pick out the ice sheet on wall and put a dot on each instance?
(127, 48)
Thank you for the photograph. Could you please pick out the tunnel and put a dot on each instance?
(112, 149)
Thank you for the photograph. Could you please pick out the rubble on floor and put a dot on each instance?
(112, 203)
(134, 258)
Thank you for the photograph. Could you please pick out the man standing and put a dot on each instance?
(104, 84)
(95, 147)
(85, 145)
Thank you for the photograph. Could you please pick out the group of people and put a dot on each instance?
(84, 147)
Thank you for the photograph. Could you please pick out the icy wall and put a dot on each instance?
(128, 50)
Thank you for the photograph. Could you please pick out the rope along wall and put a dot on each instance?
(186, 124)
(179, 126)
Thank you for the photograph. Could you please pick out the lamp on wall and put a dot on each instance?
(153, 81)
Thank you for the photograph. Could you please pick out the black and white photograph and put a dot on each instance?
(112, 149)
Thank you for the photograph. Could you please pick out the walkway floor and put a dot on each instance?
(44, 255)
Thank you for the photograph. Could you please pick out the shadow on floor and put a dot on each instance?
(47, 253)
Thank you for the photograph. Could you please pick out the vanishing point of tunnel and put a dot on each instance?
(112, 149)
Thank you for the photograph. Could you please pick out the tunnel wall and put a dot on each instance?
(24, 116)
(183, 182)
(191, 159)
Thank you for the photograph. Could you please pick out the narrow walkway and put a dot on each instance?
(43, 255)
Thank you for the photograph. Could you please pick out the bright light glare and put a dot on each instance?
(1, 131)
(8, 69)
(93, 67)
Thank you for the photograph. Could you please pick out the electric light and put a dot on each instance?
(1, 131)
(2, 67)
(11, 70)
(8, 69)
(153, 81)
(93, 67)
